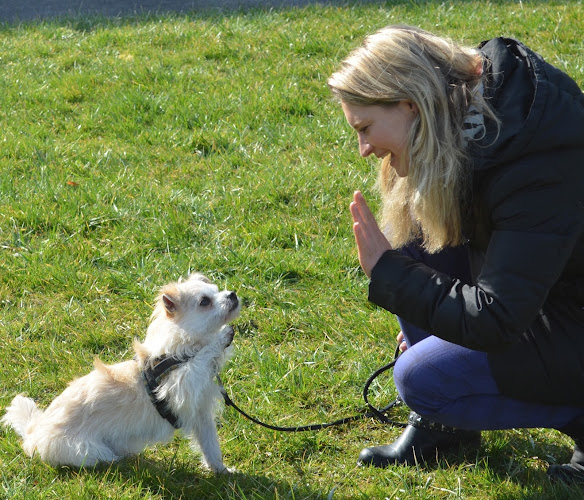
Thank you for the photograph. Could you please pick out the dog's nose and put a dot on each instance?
(233, 301)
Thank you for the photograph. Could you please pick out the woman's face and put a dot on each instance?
(383, 130)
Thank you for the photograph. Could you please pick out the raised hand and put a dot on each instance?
(371, 242)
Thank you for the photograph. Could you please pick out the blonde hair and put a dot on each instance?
(406, 63)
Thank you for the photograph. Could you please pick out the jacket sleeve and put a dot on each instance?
(537, 219)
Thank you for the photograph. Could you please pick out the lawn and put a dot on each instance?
(136, 150)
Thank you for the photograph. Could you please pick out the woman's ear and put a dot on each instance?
(413, 107)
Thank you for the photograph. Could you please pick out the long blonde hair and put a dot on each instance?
(441, 78)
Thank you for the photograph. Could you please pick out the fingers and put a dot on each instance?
(402, 342)
(360, 210)
(371, 242)
(365, 225)
(362, 248)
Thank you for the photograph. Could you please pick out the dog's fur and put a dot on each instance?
(108, 414)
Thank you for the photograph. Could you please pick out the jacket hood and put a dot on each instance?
(540, 107)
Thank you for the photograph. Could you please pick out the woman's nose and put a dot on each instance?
(365, 148)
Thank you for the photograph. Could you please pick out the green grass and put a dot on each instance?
(135, 150)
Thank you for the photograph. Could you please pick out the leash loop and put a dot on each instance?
(378, 413)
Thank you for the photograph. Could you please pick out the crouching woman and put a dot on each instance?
(480, 248)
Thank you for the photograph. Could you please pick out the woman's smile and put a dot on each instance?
(383, 130)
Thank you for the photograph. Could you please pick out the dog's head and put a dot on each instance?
(196, 308)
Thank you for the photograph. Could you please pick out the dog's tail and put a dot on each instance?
(19, 414)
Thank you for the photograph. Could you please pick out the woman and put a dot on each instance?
(481, 255)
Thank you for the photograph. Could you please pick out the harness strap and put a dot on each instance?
(152, 377)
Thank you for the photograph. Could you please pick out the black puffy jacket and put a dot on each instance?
(525, 307)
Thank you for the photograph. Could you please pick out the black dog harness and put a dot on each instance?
(152, 377)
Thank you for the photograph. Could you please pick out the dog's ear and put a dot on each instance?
(169, 303)
(169, 296)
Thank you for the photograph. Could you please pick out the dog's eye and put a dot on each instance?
(205, 301)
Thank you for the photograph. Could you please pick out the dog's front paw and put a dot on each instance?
(219, 468)
(228, 335)
(226, 470)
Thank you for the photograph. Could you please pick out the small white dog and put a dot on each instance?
(117, 410)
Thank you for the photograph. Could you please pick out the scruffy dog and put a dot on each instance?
(117, 410)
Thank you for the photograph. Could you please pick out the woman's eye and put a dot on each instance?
(205, 301)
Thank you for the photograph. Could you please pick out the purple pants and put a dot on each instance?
(453, 385)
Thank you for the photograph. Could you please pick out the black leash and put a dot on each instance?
(378, 413)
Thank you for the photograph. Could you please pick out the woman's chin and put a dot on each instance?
(400, 169)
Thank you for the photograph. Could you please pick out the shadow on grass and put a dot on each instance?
(90, 11)
(174, 480)
(525, 464)
(507, 466)
(37, 10)
(522, 461)
(503, 469)
(534, 484)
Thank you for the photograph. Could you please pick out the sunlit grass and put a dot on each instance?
(135, 150)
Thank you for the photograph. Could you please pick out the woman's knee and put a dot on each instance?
(433, 375)
(416, 383)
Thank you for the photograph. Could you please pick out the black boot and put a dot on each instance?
(573, 471)
(422, 440)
